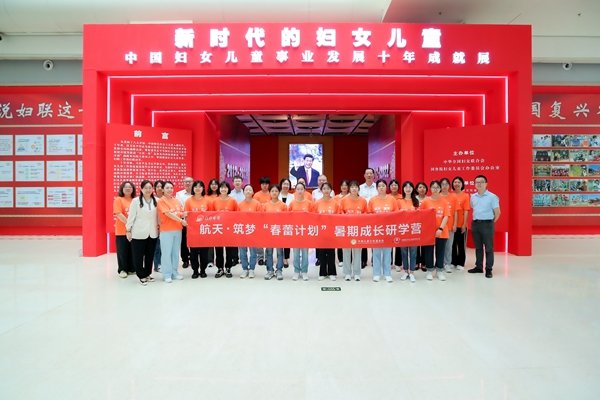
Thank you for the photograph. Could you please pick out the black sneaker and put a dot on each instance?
(488, 273)
(317, 263)
(476, 270)
(228, 273)
(219, 273)
(286, 265)
(195, 275)
(185, 264)
(261, 262)
(202, 274)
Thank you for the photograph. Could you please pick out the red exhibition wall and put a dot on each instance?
(178, 75)
(566, 159)
(41, 160)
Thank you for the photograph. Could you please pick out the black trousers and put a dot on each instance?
(124, 255)
(420, 259)
(459, 255)
(143, 256)
(326, 262)
(340, 254)
(363, 257)
(225, 259)
(398, 257)
(199, 258)
(483, 236)
(185, 251)
(440, 248)
(286, 253)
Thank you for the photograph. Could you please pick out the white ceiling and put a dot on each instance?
(563, 30)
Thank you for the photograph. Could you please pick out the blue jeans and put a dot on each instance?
(301, 266)
(246, 265)
(409, 255)
(382, 259)
(269, 259)
(170, 245)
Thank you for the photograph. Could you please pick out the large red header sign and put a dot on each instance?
(298, 46)
(311, 230)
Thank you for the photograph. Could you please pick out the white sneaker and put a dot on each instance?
(429, 276)
(357, 278)
(389, 279)
(347, 278)
(332, 277)
(341, 264)
(178, 277)
(123, 274)
(412, 278)
(376, 278)
(441, 276)
(448, 268)
(244, 274)
(210, 265)
(460, 268)
(398, 268)
(296, 276)
(403, 276)
(321, 278)
(251, 274)
(304, 276)
(168, 280)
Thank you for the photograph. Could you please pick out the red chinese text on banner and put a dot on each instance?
(310, 230)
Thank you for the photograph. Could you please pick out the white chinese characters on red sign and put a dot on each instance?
(361, 47)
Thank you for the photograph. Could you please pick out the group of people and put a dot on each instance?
(151, 227)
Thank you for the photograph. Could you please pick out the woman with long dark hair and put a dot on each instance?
(142, 231)
(248, 254)
(326, 205)
(463, 206)
(421, 196)
(212, 192)
(224, 202)
(172, 220)
(382, 256)
(442, 214)
(300, 204)
(274, 205)
(408, 202)
(286, 197)
(198, 202)
(121, 206)
(158, 194)
(353, 204)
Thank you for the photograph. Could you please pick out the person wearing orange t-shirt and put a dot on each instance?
(262, 196)
(172, 219)
(305, 193)
(224, 202)
(463, 206)
(300, 204)
(451, 199)
(382, 256)
(326, 205)
(274, 205)
(198, 202)
(395, 193)
(421, 195)
(212, 193)
(121, 211)
(344, 191)
(248, 205)
(408, 202)
(442, 214)
(353, 203)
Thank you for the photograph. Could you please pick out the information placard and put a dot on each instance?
(29, 171)
(60, 145)
(6, 171)
(62, 197)
(6, 145)
(29, 145)
(30, 197)
(6, 197)
(60, 171)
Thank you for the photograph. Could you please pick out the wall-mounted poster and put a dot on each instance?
(6, 171)
(79, 170)
(29, 171)
(80, 197)
(63, 197)
(30, 197)
(60, 171)
(6, 197)
(60, 145)
(542, 140)
(6, 145)
(79, 145)
(29, 145)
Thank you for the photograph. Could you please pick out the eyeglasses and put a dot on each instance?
(476, 182)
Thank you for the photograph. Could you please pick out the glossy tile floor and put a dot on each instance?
(71, 329)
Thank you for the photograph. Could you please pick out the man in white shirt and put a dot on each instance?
(317, 194)
(237, 193)
(182, 196)
(367, 190)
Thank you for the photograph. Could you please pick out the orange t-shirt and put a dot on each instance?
(396, 196)
(279, 206)
(307, 196)
(326, 207)
(228, 204)
(451, 199)
(441, 210)
(169, 205)
(405, 204)
(121, 206)
(252, 205)
(350, 205)
(304, 205)
(193, 204)
(378, 205)
(262, 197)
(462, 204)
